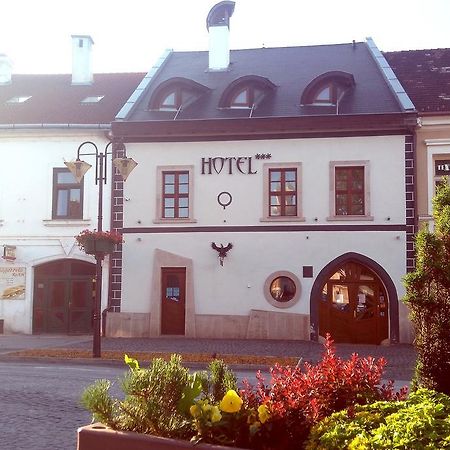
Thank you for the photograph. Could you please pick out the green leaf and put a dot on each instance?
(190, 392)
(132, 363)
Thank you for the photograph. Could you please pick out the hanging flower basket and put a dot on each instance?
(98, 242)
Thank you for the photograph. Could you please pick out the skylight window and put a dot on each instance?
(92, 99)
(19, 99)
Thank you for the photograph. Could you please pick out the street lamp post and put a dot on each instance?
(79, 168)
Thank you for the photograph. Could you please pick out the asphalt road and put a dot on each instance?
(39, 403)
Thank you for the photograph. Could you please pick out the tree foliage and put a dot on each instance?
(428, 297)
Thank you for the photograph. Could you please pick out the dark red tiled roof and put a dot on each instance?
(54, 100)
(425, 76)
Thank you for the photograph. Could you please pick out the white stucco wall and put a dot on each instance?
(237, 287)
(26, 208)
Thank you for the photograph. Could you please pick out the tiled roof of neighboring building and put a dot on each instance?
(290, 69)
(52, 99)
(425, 75)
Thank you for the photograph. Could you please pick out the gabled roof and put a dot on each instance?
(55, 101)
(290, 69)
(425, 75)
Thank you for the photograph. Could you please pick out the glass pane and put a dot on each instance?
(169, 189)
(290, 200)
(183, 202)
(62, 203)
(290, 175)
(275, 186)
(324, 296)
(357, 205)
(290, 210)
(275, 211)
(169, 100)
(183, 189)
(341, 205)
(169, 178)
(183, 213)
(282, 289)
(324, 94)
(366, 303)
(183, 178)
(274, 200)
(65, 178)
(275, 175)
(340, 294)
(169, 213)
(241, 98)
(75, 204)
(169, 202)
(290, 186)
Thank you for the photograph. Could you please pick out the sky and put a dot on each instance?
(130, 35)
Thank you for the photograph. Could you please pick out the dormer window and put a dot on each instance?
(176, 94)
(330, 94)
(247, 97)
(327, 89)
(245, 92)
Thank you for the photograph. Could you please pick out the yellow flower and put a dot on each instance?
(215, 414)
(231, 402)
(195, 411)
(263, 413)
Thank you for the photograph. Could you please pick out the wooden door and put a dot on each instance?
(354, 307)
(63, 297)
(173, 300)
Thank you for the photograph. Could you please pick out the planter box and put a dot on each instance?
(98, 436)
(94, 246)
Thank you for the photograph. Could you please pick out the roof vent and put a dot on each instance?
(218, 25)
(5, 69)
(82, 59)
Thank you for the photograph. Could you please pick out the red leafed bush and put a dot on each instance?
(297, 398)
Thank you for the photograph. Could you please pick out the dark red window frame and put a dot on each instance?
(283, 194)
(175, 194)
(349, 191)
(74, 210)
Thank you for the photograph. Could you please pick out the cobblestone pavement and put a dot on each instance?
(400, 357)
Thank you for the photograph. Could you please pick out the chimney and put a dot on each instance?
(82, 59)
(5, 69)
(218, 25)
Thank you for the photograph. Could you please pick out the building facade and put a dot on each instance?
(46, 282)
(425, 75)
(274, 196)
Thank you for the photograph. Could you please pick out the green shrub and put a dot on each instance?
(420, 422)
(428, 298)
(157, 399)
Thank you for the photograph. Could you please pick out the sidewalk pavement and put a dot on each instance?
(400, 357)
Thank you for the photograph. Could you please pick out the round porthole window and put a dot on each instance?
(282, 289)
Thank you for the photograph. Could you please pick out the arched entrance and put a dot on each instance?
(354, 300)
(63, 297)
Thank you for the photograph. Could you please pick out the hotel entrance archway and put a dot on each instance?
(355, 301)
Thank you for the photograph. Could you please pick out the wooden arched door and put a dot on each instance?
(63, 297)
(354, 306)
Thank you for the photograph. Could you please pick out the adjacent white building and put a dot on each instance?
(46, 282)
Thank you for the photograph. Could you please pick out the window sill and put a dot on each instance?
(66, 222)
(175, 221)
(349, 218)
(283, 219)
